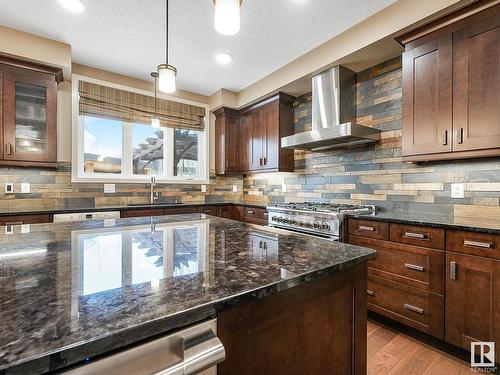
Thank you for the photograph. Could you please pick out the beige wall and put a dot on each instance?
(382, 25)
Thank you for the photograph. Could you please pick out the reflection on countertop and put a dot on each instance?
(76, 289)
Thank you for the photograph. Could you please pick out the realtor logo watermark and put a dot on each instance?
(482, 356)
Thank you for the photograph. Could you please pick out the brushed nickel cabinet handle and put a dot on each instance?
(370, 292)
(453, 270)
(265, 245)
(460, 136)
(8, 149)
(414, 308)
(414, 267)
(365, 228)
(260, 244)
(445, 137)
(260, 161)
(484, 245)
(419, 236)
(265, 161)
(250, 212)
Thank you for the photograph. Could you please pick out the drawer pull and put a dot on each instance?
(414, 267)
(365, 228)
(453, 270)
(250, 212)
(266, 214)
(370, 292)
(484, 245)
(414, 308)
(419, 236)
(444, 141)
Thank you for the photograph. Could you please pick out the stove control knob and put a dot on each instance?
(286, 220)
(326, 226)
(317, 225)
(279, 219)
(293, 221)
(274, 218)
(309, 225)
(301, 223)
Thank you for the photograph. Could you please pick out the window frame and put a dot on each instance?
(77, 144)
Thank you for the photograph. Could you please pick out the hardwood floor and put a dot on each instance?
(391, 352)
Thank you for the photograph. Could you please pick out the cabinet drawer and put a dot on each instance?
(25, 219)
(418, 309)
(481, 244)
(255, 215)
(143, 213)
(410, 265)
(180, 210)
(214, 211)
(417, 235)
(369, 228)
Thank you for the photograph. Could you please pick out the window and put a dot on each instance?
(115, 145)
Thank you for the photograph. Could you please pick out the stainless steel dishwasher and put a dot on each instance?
(194, 350)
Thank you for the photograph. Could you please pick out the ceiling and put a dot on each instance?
(127, 37)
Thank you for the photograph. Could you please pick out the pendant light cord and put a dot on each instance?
(166, 32)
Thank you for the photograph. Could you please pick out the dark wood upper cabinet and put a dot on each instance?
(427, 100)
(451, 86)
(28, 110)
(255, 142)
(227, 145)
(476, 84)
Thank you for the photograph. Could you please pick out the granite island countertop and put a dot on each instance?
(76, 290)
(474, 224)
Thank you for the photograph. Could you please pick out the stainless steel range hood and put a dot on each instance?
(333, 109)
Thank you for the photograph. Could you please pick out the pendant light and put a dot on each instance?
(166, 72)
(155, 120)
(227, 16)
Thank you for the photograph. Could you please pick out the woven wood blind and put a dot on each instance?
(106, 102)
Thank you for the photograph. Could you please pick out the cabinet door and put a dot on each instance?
(246, 143)
(29, 116)
(472, 300)
(427, 101)
(476, 85)
(271, 135)
(257, 138)
(227, 152)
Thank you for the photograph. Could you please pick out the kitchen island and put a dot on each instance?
(71, 293)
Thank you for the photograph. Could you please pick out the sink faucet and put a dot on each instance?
(153, 193)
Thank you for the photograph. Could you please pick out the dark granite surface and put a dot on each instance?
(121, 207)
(485, 225)
(70, 291)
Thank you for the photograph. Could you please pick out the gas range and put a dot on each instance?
(318, 219)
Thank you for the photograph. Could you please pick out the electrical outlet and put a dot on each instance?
(25, 228)
(457, 191)
(109, 188)
(203, 188)
(25, 188)
(235, 188)
(9, 188)
(283, 188)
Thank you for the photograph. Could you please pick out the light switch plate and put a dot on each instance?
(109, 188)
(25, 187)
(9, 188)
(457, 191)
(235, 188)
(203, 188)
(283, 188)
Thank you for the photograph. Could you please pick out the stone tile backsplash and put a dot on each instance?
(375, 174)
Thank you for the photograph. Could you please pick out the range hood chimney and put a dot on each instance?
(333, 109)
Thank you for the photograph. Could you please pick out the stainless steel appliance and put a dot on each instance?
(333, 109)
(318, 219)
(195, 350)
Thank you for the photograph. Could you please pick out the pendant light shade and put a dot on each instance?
(227, 16)
(166, 78)
(155, 122)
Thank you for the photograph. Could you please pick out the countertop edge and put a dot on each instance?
(76, 353)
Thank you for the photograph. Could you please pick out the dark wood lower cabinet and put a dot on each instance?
(143, 213)
(472, 300)
(315, 328)
(25, 219)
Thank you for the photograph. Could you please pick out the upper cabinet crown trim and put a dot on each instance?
(35, 67)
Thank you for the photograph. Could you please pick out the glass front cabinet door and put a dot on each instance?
(29, 116)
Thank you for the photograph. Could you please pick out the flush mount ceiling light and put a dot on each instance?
(166, 72)
(224, 58)
(227, 16)
(72, 5)
(155, 120)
